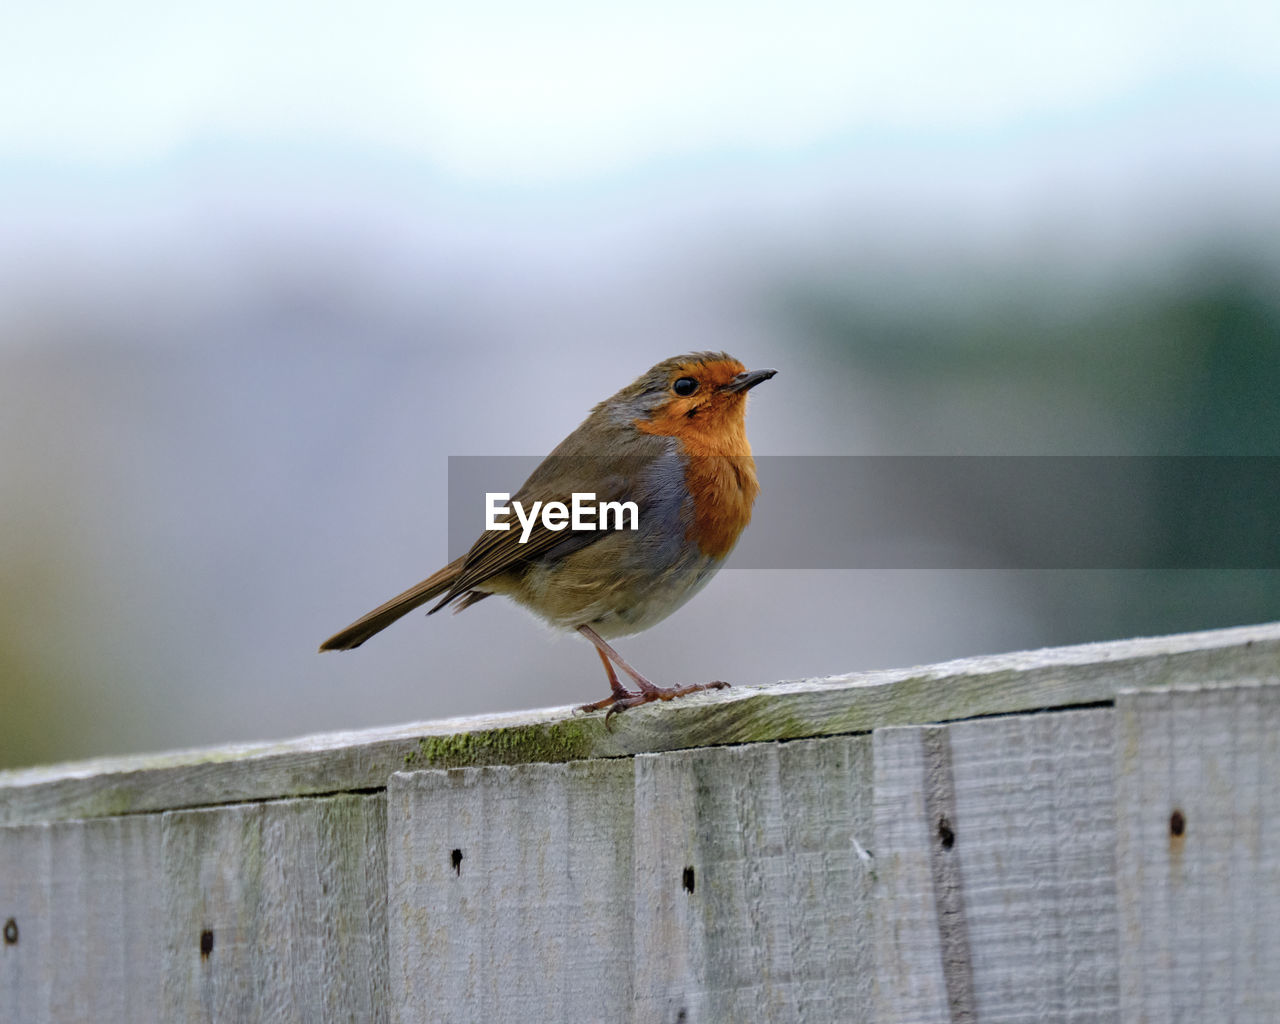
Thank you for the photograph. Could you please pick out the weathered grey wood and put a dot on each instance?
(530, 918)
(1198, 854)
(909, 965)
(995, 870)
(752, 882)
(80, 897)
(1036, 801)
(275, 911)
(26, 974)
(342, 762)
(1105, 864)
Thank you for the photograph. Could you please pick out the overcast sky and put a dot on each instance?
(519, 94)
(333, 212)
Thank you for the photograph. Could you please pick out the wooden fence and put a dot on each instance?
(1079, 834)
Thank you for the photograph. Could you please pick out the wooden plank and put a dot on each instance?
(276, 911)
(857, 703)
(752, 883)
(909, 962)
(1198, 853)
(77, 902)
(510, 893)
(26, 973)
(1037, 856)
(996, 877)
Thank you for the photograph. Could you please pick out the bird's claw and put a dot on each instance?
(618, 702)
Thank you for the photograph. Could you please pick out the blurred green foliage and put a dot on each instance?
(41, 708)
(1185, 363)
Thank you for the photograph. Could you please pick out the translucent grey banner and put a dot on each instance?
(949, 512)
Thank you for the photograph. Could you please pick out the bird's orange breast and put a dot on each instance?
(720, 473)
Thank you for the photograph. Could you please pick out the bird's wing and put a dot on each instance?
(557, 478)
(385, 614)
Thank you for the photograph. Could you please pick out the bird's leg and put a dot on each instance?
(621, 698)
(620, 692)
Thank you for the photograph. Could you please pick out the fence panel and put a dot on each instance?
(1198, 850)
(995, 868)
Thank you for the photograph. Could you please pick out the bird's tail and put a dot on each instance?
(385, 614)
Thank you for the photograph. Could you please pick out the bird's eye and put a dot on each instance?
(685, 386)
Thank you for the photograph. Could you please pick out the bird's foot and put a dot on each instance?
(604, 702)
(619, 702)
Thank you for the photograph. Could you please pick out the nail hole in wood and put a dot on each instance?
(455, 859)
(688, 879)
(11, 932)
(1177, 822)
(206, 943)
(946, 834)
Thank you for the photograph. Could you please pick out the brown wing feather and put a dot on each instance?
(494, 553)
(575, 466)
(556, 479)
(385, 614)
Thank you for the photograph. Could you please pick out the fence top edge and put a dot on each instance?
(338, 762)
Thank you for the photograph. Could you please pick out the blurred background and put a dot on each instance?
(264, 267)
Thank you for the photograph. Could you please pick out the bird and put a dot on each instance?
(674, 443)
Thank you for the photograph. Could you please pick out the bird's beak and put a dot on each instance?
(747, 380)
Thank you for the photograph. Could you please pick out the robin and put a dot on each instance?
(674, 443)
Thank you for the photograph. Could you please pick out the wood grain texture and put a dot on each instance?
(80, 900)
(530, 918)
(995, 870)
(1061, 677)
(911, 984)
(1198, 853)
(275, 911)
(752, 883)
(1100, 864)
